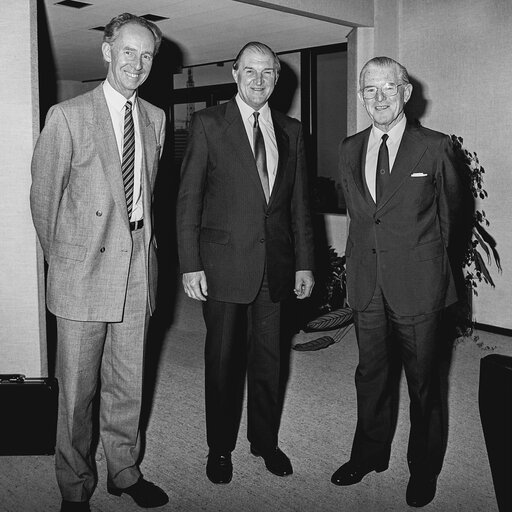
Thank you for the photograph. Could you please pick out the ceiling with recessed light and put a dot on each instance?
(204, 31)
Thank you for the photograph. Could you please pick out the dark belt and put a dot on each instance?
(137, 224)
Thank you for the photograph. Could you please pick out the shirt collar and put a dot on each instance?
(247, 111)
(116, 99)
(395, 134)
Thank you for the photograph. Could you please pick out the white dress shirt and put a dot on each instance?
(267, 130)
(372, 152)
(116, 103)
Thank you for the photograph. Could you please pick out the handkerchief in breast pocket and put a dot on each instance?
(418, 175)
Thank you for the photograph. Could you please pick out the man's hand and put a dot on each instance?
(304, 282)
(194, 284)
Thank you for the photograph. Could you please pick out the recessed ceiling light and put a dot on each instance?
(154, 17)
(73, 3)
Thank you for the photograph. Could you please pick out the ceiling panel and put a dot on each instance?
(204, 30)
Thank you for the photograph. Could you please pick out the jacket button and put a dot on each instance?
(99, 213)
(262, 240)
(102, 249)
(374, 251)
(377, 221)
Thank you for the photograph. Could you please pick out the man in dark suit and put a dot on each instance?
(245, 242)
(93, 170)
(402, 194)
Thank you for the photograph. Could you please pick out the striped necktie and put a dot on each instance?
(128, 165)
(260, 155)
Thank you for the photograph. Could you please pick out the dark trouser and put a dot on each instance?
(228, 352)
(385, 341)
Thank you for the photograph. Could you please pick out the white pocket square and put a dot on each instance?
(418, 175)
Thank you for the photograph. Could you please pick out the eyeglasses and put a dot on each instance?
(387, 90)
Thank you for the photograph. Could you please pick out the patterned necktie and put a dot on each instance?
(128, 164)
(382, 175)
(260, 155)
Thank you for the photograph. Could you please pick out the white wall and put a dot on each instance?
(461, 53)
(22, 314)
(67, 89)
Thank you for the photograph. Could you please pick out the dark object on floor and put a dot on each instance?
(495, 403)
(316, 344)
(219, 468)
(276, 462)
(350, 473)
(420, 491)
(145, 494)
(29, 415)
(75, 506)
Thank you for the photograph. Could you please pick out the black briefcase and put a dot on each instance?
(28, 415)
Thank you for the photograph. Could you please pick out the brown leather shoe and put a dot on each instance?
(351, 473)
(219, 468)
(276, 461)
(145, 494)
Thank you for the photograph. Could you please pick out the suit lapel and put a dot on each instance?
(410, 151)
(237, 137)
(359, 167)
(106, 145)
(148, 143)
(283, 147)
(148, 170)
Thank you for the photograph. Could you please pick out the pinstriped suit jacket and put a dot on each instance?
(79, 207)
(224, 225)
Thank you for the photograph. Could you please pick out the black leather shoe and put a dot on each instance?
(351, 473)
(420, 490)
(75, 506)
(145, 494)
(275, 461)
(219, 468)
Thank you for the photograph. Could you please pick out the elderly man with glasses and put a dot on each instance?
(402, 194)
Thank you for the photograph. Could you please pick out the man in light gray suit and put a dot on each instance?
(93, 172)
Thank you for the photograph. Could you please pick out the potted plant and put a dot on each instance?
(330, 296)
(478, 247)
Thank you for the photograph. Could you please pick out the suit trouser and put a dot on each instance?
(113, 353)
(386, 341)
(229, 351)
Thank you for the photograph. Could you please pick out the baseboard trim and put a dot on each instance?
(493, 329)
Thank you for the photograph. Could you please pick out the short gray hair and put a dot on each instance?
(385, 62)
(112, 29)
(260, 48)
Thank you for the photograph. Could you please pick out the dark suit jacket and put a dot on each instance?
(408, 234)
(79, 206)
(225, 226)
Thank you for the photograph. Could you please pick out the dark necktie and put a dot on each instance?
(260, 155)
(382, 175)
(128, 165)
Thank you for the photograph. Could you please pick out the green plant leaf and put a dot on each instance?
(483, 245)
(340, 334)
(332, 320)
(481, 267)
(316, 344)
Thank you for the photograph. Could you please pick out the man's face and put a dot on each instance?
(385, 111)
(255, 77)
(130, 58)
